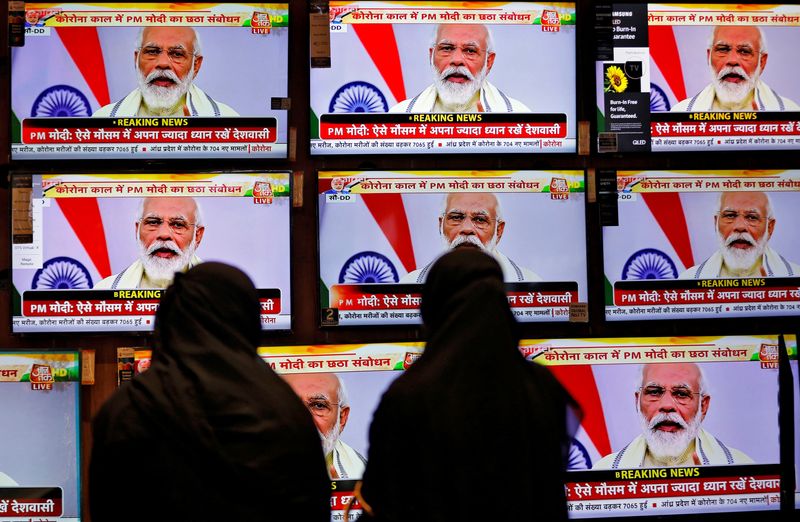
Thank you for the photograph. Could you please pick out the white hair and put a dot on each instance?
(498, 207)
(762, 38)
(198, 213)
(770, 209)
(703, 383)
(489, 37)
(341, 391)
(197, 45)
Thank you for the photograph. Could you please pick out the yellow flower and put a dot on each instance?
(616, 78)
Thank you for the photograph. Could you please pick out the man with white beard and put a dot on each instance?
(325, 396)
(672, 400)
(167, 60)
(737, 56)
(476, 218)
(744, 222)
(168, 231)
(461, 56)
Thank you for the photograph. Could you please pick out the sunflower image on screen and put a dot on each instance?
(617, 80)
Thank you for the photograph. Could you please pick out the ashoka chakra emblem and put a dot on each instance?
(61, 101)
(658, 99)
(368, 267)
(62, 273)
(358, 97)
(649, 263)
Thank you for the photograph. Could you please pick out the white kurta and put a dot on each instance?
(132, 277)
(346, 462)
(492, 100)
(512, 272)
(774, 265)
(765, 98)
(198, 102)
(710, 452)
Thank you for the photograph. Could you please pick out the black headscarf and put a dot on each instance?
(210, 431)
(471, 431)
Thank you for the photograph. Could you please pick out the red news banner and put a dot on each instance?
(408, 296)
(24, 503)
(102, 303)
(722, 124)
(688, 488)
(707, 291)
(148, 130)
(392, 126)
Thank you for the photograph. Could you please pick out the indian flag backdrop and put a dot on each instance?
(80, 57)
(377, 65)
(664, 231)
(375, 227)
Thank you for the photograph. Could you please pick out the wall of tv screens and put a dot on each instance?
(420, 125)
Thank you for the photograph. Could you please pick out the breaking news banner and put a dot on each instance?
(687, 445)
(701, 77)
(695, 244)
(39, 465)
(446, 77)
(381, 231)
(97, 81)
(104, 246)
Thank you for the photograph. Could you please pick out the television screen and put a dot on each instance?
(355, 376)
(694, 244)
(380, 232)
(671, 426)
(146, 81)
(454, 77)
(681, 77)
(39, 441)
(93, 252)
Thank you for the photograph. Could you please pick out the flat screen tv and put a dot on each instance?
(40, 438)
(695, 244)
(93, 252)
(671, 425)
(105, 80)
(683, 77)
(380, 232)
(445, 77)
(355, 376)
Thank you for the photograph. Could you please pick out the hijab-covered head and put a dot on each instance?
(464, 304)
(470, 411)
(234, 440)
